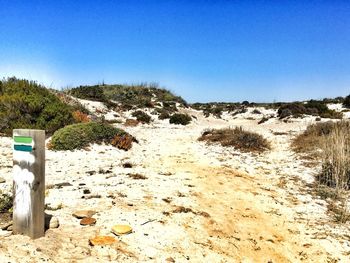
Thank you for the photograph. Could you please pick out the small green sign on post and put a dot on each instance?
(29, 182)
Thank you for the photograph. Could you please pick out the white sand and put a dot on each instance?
(259, 207)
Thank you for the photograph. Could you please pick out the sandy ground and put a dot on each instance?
(198, 203)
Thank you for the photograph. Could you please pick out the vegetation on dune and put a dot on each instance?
(312, 107)
(27, 105)
(329, 143)
(141, 116)
(346, 102)
(78, 136)
(127, 96)
(6, 203)
(238, 138)
(179, 118)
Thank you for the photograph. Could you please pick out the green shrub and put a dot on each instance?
(94, 93)
(6, 203)
(346, 102)
(27, 105)
(164, 115)
(78, 136)
(179, 118)
(142, 116)
(312, 107)
(238, 138)
(127, 96)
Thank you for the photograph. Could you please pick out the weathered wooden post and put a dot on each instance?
(29, 182)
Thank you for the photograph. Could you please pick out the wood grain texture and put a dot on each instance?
(29, 186)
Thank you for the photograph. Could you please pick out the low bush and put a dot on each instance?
(238, 138)
(6, 203)
(78, 136)
(27, 105)
(179, 118)
(346, 102)
(79, 116)
(141, 116)
(164, 114)
(312, 107)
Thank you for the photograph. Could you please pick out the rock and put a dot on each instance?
(83, 213)
(5, 220)
(88, 221)
(10, 228)
(86, 191)
(170, 259)
(51, 222)
(121, 229)
(5, 233)
(5, 226)
(102, 240)
(2, 180)
(54, 222)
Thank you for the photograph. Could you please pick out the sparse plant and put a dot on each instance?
(238, 138)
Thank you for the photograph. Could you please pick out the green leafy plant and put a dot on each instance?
(179, 118)
(141, 116)
(26, 104)
(78, 136)
(238, 138)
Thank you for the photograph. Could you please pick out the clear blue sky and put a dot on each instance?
(201, 50)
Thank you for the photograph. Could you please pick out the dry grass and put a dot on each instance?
(330, 144)
(137, 176)
(336, 157)
(240, 139)
(309, 141)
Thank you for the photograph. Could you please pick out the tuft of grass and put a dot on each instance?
(238, 138)
(309, 141)
(179, 118)
(78, 136)
(137, 176)
(336, 157)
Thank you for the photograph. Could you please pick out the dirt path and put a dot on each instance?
(243, 220)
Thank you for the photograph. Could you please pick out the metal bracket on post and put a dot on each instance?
(29, 182)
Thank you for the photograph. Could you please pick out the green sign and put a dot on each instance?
(23, 143)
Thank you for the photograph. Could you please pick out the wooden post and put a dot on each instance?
(29, 182)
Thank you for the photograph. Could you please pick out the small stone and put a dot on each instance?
(88, 221)
(86, 191)
(51, 222)
(170, 259)
(2, 180)
(5, 233)
(102, 240)
(6, 225)
(10, 228)
(121, 229)
(54, 222)
(83, 213)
